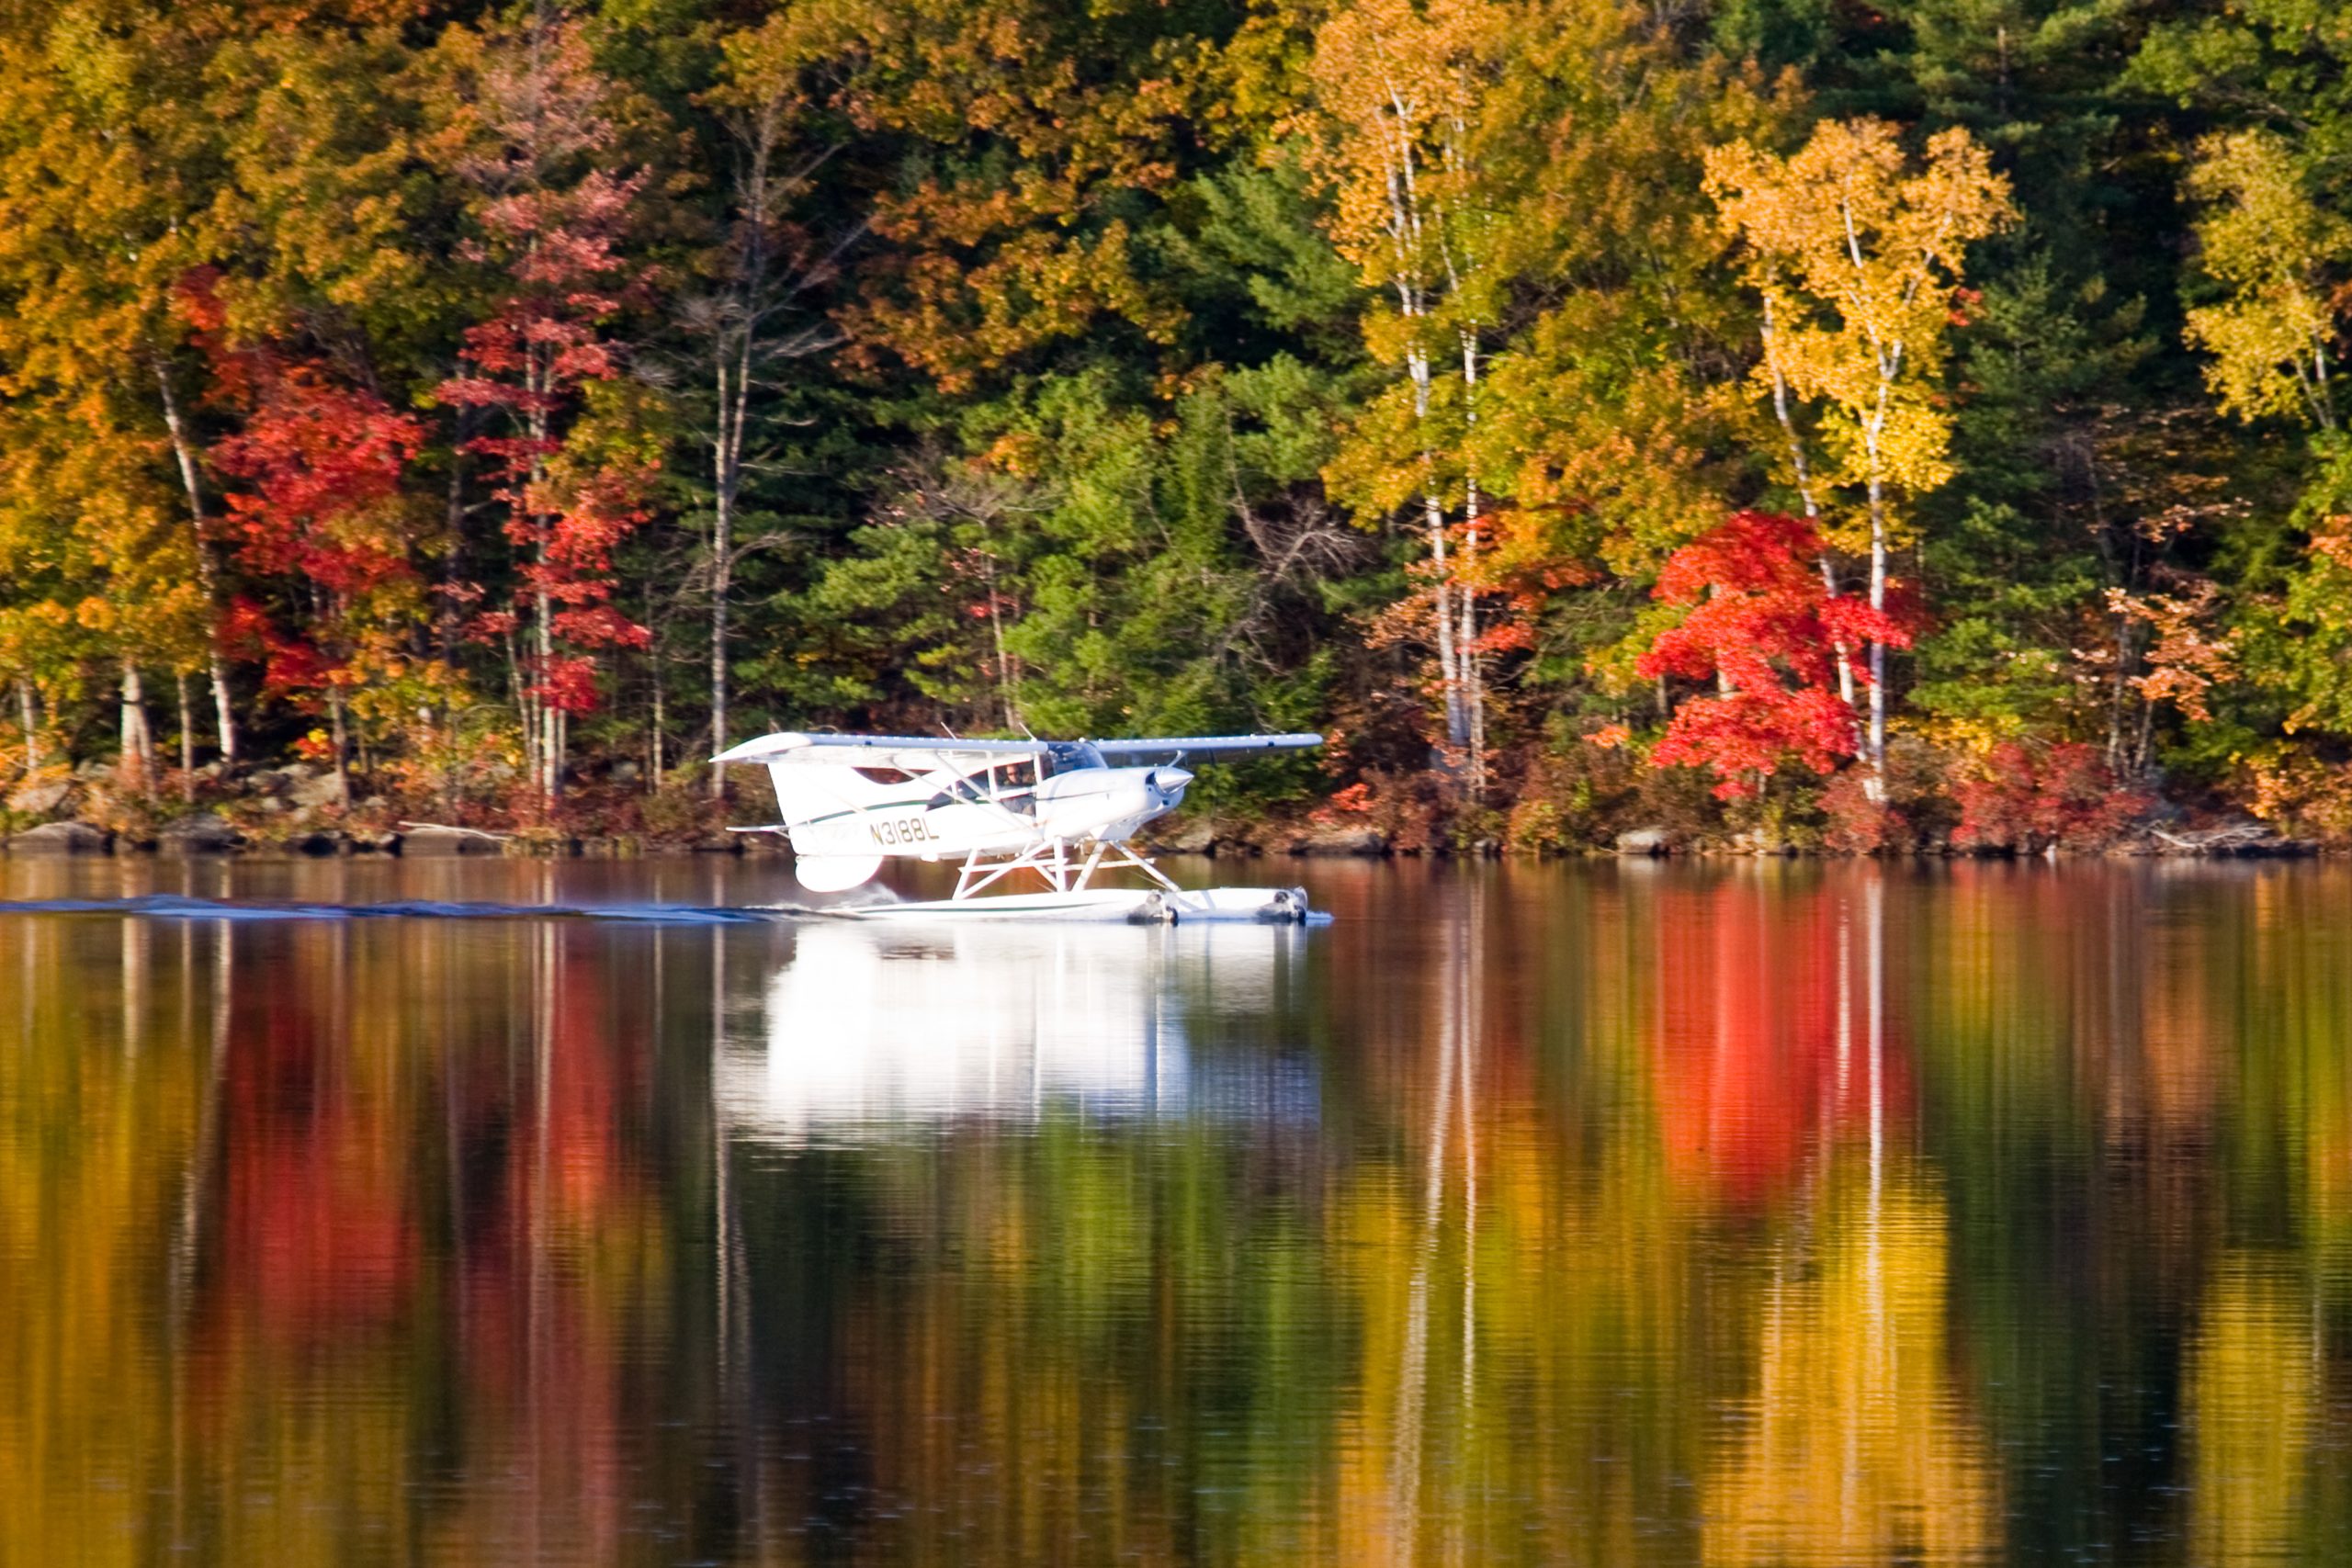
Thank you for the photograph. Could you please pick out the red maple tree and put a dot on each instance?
(532, 361)
(315, 518)
(1769, 632)
(556, 235)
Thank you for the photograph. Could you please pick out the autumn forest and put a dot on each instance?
(1793, 423)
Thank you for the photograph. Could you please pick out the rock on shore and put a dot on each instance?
(62, 839)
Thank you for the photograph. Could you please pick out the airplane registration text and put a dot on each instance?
(904, 830)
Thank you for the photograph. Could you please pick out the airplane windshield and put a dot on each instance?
(1011, 785)
(1069, 756)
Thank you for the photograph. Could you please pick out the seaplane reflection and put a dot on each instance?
(867, 1028)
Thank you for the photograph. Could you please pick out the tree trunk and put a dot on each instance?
(1473, 685)
(654, 740)
(721, 586)
(208, 568)
(453, 566)
(1473, 679)
(1803, 470)
(2126, 659)
(339, 737)
(1448, 660)
(519, 689)
(137, 762)
(546, 757)
(187, 737)
(1877, 758)
(550, 720)
(28, 716)
(735, 351)
(1449, 651)
(726, 476)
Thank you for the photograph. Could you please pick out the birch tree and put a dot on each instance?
(1858, 251)
(1401, 86)
(752, 321)
(2272, 250)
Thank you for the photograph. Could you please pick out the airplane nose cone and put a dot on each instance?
(1170, 781)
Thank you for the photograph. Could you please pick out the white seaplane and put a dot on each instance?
(1062, 810)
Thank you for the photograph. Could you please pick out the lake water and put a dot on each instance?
(1744, 1213)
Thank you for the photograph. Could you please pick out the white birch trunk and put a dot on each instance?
(187, 735)
(137, 763)
(1804, 468)
(1878, 645)
(1473, 686)
(726, 470)
(207, 571)
(30, 718)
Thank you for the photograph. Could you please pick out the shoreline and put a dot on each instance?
(219, 838)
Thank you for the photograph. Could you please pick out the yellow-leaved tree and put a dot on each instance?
(108, 180)
(1858, 249)
(2280, 259)
(1400, 87)
(2269, 245)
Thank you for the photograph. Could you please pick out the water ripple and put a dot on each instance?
(172, 906)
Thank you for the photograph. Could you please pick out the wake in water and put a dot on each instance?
(171, 907)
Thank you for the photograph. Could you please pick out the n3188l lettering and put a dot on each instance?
(904, 830)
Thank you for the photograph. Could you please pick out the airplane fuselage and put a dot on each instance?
(982, 816)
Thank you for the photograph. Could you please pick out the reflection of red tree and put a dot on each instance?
(1749, 1065)
(365, 1164)
(317, 1234)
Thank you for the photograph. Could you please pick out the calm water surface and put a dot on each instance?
(1769, 1214)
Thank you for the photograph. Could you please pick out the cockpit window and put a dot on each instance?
(1069, 756)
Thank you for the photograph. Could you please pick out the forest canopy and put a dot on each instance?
(1868, 427)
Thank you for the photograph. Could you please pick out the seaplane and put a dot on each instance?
(1012, 814)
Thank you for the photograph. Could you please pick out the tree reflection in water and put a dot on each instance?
(1757, 1214)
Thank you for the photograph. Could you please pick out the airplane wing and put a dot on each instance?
(1206, 745)
(908, 753)
(922, 753)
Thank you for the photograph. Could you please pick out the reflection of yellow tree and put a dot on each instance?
(99, 1091)
(2251, 1400)
(1527, 1386)
(1855, 1448)
(1518, 1437)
